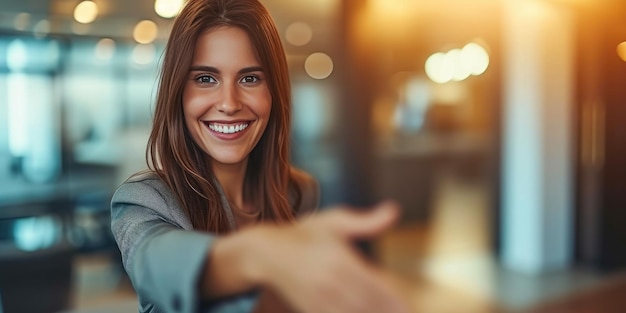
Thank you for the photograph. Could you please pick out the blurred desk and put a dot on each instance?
(41, 231)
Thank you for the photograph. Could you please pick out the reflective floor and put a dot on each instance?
(446, 265)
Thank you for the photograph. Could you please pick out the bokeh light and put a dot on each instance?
(437, 69)
(476, 57)
(457, 64)
(318, 65)
(143, 54)
(298, 34)
(41, 29)
(145, 32)
(86, 12)
(621, 50)
(17, 55)
(105, 49)
(168, 8)
(21, 21)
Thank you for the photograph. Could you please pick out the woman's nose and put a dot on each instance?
(229, 102)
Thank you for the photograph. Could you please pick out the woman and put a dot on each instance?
(214, 220)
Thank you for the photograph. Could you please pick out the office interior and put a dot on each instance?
(497, 125)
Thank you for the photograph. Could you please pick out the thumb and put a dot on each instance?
(352, 224)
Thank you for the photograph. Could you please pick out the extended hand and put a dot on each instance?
(315, 268)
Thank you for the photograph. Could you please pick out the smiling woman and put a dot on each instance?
(221, 222)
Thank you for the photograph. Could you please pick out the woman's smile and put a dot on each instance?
(227, 130)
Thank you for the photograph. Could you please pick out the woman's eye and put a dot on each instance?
(249, 79)
(205, 79)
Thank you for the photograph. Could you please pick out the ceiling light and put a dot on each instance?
(168, 8)
(86, 12)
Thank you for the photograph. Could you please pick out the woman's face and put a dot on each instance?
(226, 99)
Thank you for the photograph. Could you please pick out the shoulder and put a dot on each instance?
(146, 176)
(148, 191)
(141, 185)
(305, 188)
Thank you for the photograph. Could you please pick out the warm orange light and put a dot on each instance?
(390, 9)
(621, 51)
(389, 19)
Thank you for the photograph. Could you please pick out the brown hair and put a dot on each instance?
(172, 153)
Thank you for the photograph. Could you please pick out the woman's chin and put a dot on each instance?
(229, 160)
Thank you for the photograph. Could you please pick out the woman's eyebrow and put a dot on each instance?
(204, 68)
(212, 69)
(250, 69)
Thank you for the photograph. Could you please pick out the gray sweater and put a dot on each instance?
(161, 252)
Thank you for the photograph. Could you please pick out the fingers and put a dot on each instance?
(352, 224)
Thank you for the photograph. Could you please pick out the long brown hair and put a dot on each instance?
(172, 153)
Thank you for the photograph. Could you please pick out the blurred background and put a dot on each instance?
(496, 124)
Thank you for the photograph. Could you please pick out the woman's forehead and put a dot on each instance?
(225, 44)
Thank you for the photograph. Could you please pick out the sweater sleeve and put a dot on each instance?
(164, 261)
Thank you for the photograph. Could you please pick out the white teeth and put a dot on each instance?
(226, 129)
